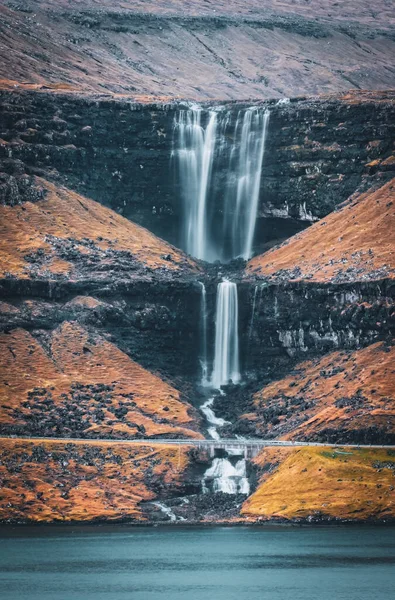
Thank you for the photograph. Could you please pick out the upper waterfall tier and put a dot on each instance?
(203, 140)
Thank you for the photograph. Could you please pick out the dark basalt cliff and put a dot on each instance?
(156, 323)
(118, 152)
(295, 320)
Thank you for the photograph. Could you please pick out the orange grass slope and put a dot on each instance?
(343, 396)
(81, 385)
(74, 237)
(84, 481)
(324, 483)
(353, 244)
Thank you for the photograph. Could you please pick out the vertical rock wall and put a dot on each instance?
(118, 152)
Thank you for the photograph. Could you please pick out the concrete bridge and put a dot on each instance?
(251, 447)
(246, 448)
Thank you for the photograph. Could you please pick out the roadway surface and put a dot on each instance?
(245, 443)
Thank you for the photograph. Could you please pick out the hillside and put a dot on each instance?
(59, 234)
(355, 243)
(341, 397)
(322, 484)
(55, 481)
(73, 383)
(281, 49)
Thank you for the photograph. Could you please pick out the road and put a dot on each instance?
(245, 443)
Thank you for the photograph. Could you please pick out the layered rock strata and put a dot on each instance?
(118, 152)
(100, 319)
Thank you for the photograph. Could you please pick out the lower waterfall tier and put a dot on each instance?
(224, 476)
(226, 367)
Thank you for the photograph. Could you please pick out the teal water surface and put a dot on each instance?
(235, 563)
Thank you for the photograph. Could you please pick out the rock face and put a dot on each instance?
(327, 288)
(118, 152)
(67, 258)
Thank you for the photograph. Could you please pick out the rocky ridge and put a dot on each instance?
(237, 50)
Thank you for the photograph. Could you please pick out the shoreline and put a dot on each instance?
(272, 523)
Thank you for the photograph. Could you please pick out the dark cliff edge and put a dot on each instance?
(118, 152)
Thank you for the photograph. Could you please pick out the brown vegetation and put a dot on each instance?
(238, 49)
(343, 396)
(324, 483)
(59, 481)
(76, 384)
(354, 243)
(68, 236)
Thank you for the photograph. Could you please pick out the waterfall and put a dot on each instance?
(219, 212)
(226, 353)
(195, 150)
(214, 421)
(203, 332)
(244, 179)
(225, 477)
(168, 512)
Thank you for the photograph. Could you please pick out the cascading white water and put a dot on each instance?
(226, 353)
(219, 224)
(201, 142)
(203, 330)
(244, 178)
(222, 476)
(195, 152)
(166, 510)
(213, 421)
